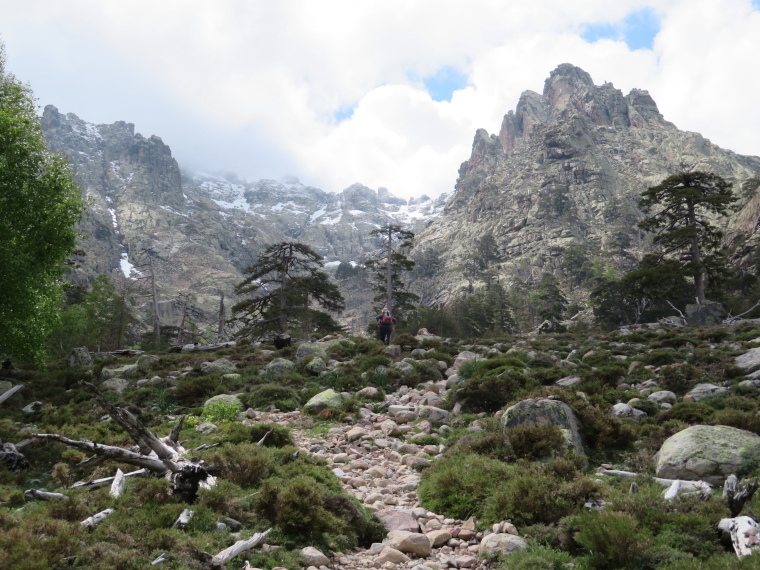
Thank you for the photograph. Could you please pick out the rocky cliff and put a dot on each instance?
(567, 167)
(203, 230)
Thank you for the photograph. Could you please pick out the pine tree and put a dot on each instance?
(283, 286)
(389, 264)
(680, 208)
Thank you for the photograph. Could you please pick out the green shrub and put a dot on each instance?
(278, 436)
(540, 493)
(659, 357)
(647, 406)
(491, 392)
(607, 374)
(458, 485)
(679, 378)
(535, 442)
(220, 411)
(736, 418)
(281, 397)
(612, 539)
(690, 412)
(244, 464)
(537, 557)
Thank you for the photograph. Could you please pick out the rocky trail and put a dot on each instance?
(377, 459)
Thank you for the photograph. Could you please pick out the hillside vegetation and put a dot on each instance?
(467, 463)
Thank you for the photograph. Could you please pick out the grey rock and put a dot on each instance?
(662, 396)
(569, 381)
(280, 366)
(227, 398)
(709, 453)
(79, 358)
(221, 366)
(543, 411)
(327, 399)
(316, 366)
(145, 362)
(310, 556)
(705, 314)
(705, 391)
(749, 361)
(118, 385)
(123, 371)
(434, 415)
(398, 520)
(310, 350)
(501, 544)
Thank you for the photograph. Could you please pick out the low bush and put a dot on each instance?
(535, 442)
(491, 392)
(609, 539)
(659, 357)
(679, 378)
(281, 397)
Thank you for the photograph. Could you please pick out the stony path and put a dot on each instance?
(375, 459)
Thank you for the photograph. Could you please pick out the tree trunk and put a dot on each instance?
(696, 257)
(389, 272)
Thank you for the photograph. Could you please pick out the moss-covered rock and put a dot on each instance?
(709, 453)
(545, 412)
(327, 399)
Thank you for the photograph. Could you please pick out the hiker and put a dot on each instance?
(385, 325)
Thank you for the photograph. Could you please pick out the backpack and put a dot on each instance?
(386, 318)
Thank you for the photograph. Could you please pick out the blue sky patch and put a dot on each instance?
(638, 29)
(344, 113)
(756, 4)
(442, 84)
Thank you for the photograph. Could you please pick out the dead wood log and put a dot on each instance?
(673, 490)
(44, 495)
(207, 347)
(161, 456)
(236, 549)
(745, 534)
(737, 494)
(701, 487)
(8, 393)
(184, 519)
(263, 439)
(145, 439)
(97, 483)
(117, 485)
(93, 521)
(207, 446)
(159, 560)
(110, 452)
(174, 434)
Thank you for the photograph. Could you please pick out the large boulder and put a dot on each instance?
(280, 367)
(704, 391)
(324, 400)
(227, 398)
(707, 453)
(464, 357)
(79, 358)
(749, 361)
(146, 361)
(309, 350)
(221, 366)
(501, 544)
(543, 411)
(313, 557)
(705, 314)
(124, 371)
(410, 543)
(398, 520)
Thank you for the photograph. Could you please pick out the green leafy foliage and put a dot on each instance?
(40, 205)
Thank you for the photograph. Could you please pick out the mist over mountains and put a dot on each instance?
(567, 167)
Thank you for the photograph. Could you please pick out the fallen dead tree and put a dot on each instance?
(161, 456)
(235, 550)
(674, 486)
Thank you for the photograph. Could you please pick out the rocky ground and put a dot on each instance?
(377, 460)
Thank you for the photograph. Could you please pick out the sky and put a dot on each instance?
(382, 92)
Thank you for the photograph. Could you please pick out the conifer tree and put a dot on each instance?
(681, 207)
(389, 264)
(283, 286)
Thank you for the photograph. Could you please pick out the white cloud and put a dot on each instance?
(210, 77)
